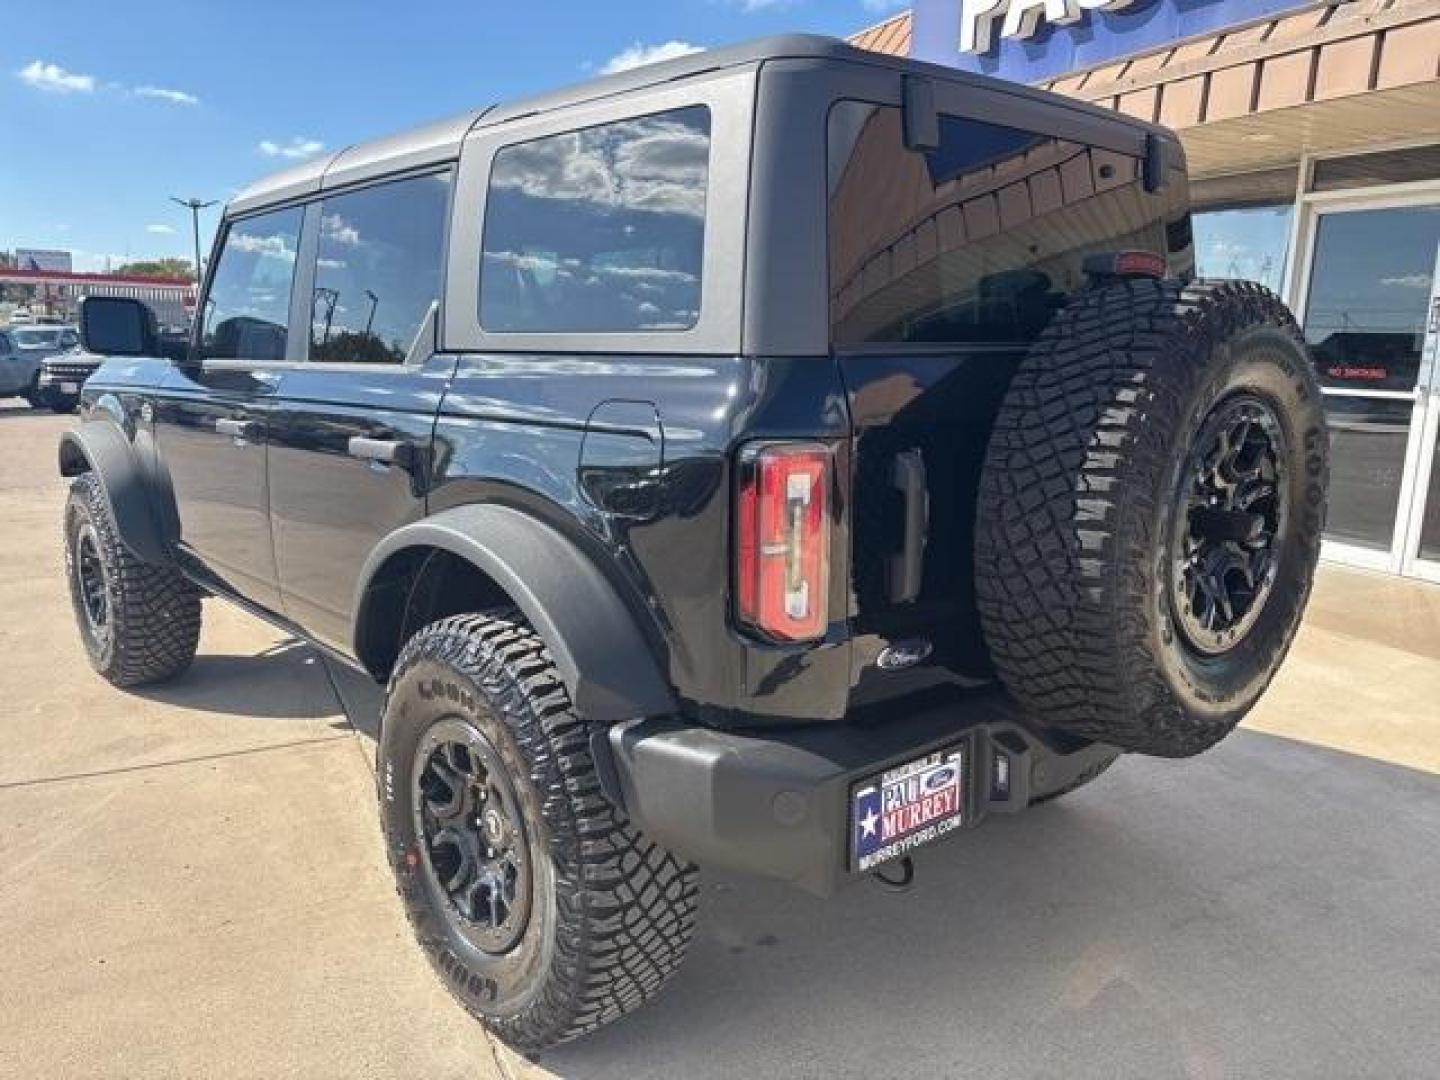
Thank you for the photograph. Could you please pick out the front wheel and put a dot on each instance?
(140, 623)
(542, 909)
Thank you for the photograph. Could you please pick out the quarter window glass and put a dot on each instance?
(248, 307)
(377, 270)
(600, 229)
(981, 240)
(1248, 243)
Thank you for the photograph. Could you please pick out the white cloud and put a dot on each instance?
(159, 230)
(1408, 281)
(298, 147)
(54, 78)
(43, 75)
(175, 97)
(638, 55)
(336, 229)
(267, 247)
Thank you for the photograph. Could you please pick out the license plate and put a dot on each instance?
(69, 388)
(894, 812)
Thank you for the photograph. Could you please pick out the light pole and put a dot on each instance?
(194, 206)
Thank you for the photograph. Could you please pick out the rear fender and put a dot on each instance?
(600, 652)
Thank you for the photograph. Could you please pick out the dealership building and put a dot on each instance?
(1313, 138)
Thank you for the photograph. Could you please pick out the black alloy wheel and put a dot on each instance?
(1226, 523)
(474, 839)
(91, 584)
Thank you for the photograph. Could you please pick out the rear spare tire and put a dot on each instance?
(1150, 512)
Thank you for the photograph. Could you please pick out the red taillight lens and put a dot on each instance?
(782, 551)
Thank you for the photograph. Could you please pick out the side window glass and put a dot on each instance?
(377, 271)
(247, 310)
(600, 229)
(69, 339)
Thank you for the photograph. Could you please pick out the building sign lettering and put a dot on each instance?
(1021, 18)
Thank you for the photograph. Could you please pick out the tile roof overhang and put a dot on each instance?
(1325, 77)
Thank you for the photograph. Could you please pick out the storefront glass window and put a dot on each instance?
(1249, 243)
(1367, 461)
(1370, 295)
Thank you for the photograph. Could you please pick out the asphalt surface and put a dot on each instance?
(193, 883)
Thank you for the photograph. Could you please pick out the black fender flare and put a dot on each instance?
(601, 654)
(103, 448)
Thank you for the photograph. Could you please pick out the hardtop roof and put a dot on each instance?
(440, 141)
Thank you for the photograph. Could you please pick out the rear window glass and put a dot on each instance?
(978, 242)
(600, 229)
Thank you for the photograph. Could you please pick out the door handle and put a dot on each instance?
(386, 451)
(240, 429)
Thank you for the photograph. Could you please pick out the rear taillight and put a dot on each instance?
(782, 550)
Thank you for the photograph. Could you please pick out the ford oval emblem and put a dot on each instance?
(903, 654)
(940, 778)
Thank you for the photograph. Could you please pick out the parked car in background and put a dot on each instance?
(62, 376)
(23, 349)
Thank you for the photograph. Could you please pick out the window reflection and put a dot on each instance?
(377, 270)
(600, 229)
(980, 240)
(1367, 460)
(1370, 295)
(1249, 243)
(248, 307)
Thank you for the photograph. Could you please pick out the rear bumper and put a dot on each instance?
(776, 804)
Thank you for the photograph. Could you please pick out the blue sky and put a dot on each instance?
(110, 107)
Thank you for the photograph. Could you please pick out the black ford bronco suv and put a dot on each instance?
(771, 460)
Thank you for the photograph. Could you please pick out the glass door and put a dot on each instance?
(1369, 316)
(1421, 550)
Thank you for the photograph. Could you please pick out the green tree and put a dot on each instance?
(172, 268)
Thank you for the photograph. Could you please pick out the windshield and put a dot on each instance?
(35, 339)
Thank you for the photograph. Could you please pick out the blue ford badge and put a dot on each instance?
(903, 654)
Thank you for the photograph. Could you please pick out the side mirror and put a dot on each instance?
(117, 326)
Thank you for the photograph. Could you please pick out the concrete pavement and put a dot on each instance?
(193, 883)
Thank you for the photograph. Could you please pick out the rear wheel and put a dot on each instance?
(542, 909)
(1150, 513)
(140, 623)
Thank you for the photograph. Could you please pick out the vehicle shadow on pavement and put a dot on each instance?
(285, 681)
(1182, 919)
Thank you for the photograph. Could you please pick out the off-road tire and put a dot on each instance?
(1074, 564)
(610, 913)
(153, 612)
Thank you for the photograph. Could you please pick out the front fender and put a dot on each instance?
(103, 447)
(600, 653)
